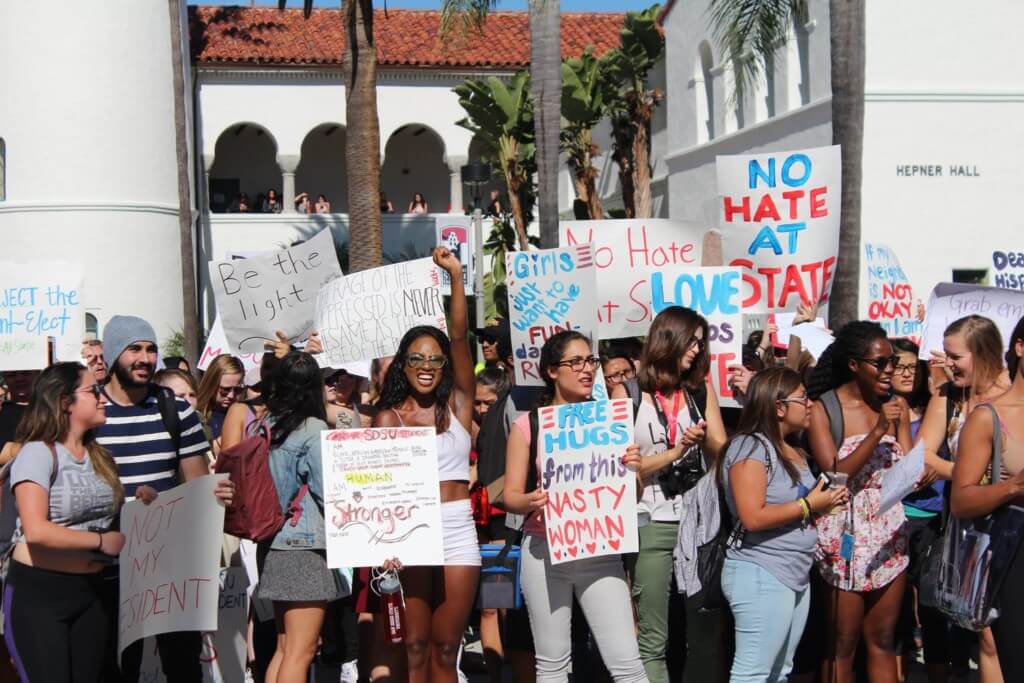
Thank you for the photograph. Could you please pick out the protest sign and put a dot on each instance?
(902, 479)
(890, 299)
(591, 508)
(549, 290)
(381, 497)
(364, 315)
(456, 233)
(40, 300)
(224, 654)
(950, 302)
(170, 562)
(715, 293)
(1009, 269)
(626, 252)
(24, 353)
(257, 296)
(780, 224)
(217, 344)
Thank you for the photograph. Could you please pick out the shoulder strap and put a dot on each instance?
(531, 469)
(997, 446)
(169, 414)
(633, 390)
(830, 402)
(400, 420)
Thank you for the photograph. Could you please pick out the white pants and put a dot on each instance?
(600, 587)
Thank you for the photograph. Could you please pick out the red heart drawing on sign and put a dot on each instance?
(557, 554)
(614, 543)
(591, 547)
(572, 551)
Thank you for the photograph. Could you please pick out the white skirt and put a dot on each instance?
(459, 533)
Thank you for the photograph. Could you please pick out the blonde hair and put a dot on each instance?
(983, 340)
(224, 364)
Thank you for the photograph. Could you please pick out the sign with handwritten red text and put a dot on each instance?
(780, 224)
(626, 252)
(170, 564)
(591, 508)
(715, 293)
(549, 290)
(890, 299)
(381, 498)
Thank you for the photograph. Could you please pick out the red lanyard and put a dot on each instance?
(672, 418)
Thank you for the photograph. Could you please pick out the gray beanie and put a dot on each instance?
(121, 332)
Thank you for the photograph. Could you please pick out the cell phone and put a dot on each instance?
(824, 477)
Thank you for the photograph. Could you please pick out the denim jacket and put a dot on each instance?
(293, 463)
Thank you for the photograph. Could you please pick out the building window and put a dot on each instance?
(798, 64)
(970, 276)
(706, 115)
(768, 102)
(92, 326)
(3, 170)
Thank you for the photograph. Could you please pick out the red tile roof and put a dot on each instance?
(265, 35)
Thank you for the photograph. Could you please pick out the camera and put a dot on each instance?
(683, 474)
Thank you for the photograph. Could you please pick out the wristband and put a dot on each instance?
(805, 509)
(99, 547)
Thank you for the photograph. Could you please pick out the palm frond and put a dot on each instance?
(307, 6)
(465, 14)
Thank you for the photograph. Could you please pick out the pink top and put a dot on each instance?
(534, 524)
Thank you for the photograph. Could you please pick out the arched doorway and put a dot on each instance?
(479, 151)
(414, 161)
(322, 166)
(245, 161)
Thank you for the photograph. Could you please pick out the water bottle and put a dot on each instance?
(392, 606)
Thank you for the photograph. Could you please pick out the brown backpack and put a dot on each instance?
(255, 514)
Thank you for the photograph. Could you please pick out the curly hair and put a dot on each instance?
(296, 394)
(396, 386)
(551, 356)
(833, 368)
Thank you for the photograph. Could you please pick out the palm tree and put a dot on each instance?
(583, 107)
(362, 140)
(748, 33)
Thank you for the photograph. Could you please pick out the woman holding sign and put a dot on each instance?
(431, 383)
(679, 429)
(599, 583)
(68, 494)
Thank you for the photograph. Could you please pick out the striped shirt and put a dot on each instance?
(142, 447)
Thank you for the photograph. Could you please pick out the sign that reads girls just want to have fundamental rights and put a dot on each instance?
(591, 508)
(780, 224)
(381, 498)
(549, 291)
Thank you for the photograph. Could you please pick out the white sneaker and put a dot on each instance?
(248, 676)
(349, 672)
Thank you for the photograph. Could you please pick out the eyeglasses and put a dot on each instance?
(237, 390)
(620, 376)
(802, 400)
(417, 361)
(696, 341)
(96, 390)
(905, 369)
(578, 363)
(880, 363)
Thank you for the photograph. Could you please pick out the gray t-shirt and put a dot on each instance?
(786, 552)
(79, 498)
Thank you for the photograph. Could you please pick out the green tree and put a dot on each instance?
(362, 138)
(748, 32)
(583, 107)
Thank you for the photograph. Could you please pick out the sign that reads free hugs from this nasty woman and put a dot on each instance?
(591, 508)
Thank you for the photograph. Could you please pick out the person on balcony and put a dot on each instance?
(272, 204)
(322, 205)
(418, 205)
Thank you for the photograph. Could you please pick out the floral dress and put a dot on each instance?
(880, 552)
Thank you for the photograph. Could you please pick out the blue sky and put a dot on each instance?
(567, 5)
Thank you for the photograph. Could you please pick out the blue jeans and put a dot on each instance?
(769, 621)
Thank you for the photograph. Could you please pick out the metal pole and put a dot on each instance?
(478, 271)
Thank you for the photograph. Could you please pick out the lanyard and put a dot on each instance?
(672, 418)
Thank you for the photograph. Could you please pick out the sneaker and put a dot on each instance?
(249, 677)
(349, 672)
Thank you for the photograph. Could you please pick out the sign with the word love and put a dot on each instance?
(780, 224)
(37, 301)
(549, 291)
(716, 294)
(625, 253)
(950, 302)
(591, 508)
(381, 497)
(456, 232)
(257, 296)
(217, 344)
(169, 567)
(1008, 269)
(890, 299)
(364, 315)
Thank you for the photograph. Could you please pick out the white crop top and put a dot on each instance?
(453, 448)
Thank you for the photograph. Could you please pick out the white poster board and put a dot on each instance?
(591, 508)
(950, 302)
(364, 315)
(381, 497)
(549, 290)
(18, 352)
(259, 295)
(891, 301)
(170, 562)
(456, 233)
(626, 252)
(39, 300)
(780, 223)
(217, 344)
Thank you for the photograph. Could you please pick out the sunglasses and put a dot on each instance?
(699, 342)
(96, 390)
(880, 363)
(228, 391)
(578, 363)
(418, 361)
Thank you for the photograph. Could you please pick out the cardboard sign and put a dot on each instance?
(456, 233)
(217, 344)
(19, 352)
(950, 302)
(715, 293)
(1008, 267)
(170, 562)
(549, 290)
(780, 224)
(591, 509)
(381, 497)
(890, 299)
(364, 315)
(40, 300)
(257, 296)
(626, 252)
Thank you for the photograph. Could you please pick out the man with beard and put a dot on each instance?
(154, 452)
